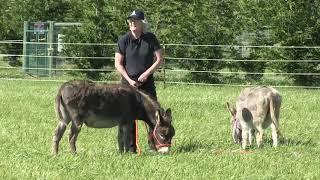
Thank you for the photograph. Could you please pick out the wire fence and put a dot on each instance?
(168, 74)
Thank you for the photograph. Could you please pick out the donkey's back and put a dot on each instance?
(262, 102)
(99, 106)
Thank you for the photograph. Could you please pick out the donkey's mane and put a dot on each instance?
(150, 100)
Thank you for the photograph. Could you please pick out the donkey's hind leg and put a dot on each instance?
(275, 135)
(74, 131)
(58, 133)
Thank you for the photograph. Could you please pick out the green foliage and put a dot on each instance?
(298, 25)
(99, 25)
(243, 22)
(18, 11)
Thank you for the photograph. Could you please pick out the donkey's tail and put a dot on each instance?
(274, 113)
(58, 103)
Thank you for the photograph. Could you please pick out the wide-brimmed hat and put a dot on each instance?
(136, 14)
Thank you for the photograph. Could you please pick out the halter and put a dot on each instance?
(235, 123)
(236, 126)
(159, 143)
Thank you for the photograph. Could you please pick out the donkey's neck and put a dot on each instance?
(150, 107)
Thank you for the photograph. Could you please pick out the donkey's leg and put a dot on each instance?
(128, 136)
(259, 137)
(132, 137)
(245, 135)
(274, 135)
(124, 137)
(74, 131)
(251, 136)
(58, 133)
(120, 139)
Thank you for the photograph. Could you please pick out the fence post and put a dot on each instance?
(50, 49)
(164, 66)
(25, 38)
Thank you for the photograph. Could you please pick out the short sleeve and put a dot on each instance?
(156, 44)
(121, 46)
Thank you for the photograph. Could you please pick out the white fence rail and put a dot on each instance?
(165, 71)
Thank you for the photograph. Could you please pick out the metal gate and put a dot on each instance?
(38, 48)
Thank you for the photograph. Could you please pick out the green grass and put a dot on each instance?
(202, 146)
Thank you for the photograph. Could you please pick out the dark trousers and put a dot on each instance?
(149, 88)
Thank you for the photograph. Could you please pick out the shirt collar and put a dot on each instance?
(132, 38)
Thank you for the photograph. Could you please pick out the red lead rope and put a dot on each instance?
(137, 138)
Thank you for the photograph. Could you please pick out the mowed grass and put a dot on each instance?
(202, 147)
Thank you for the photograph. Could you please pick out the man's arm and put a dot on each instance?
(118, 63)
(158, 61)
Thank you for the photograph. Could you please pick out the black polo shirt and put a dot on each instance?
(138, 53)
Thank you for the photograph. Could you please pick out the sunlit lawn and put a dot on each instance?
(202, 146)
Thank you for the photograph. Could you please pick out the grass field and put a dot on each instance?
(202, 146)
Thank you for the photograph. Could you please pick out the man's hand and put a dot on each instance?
(134, 83)
(143, 77)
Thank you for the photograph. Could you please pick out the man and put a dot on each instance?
(137, 57)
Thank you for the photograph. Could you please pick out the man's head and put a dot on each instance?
(136, 21)
(136, 15)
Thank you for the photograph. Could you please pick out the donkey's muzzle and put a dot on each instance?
(164, 150)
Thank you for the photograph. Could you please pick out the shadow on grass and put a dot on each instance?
(193, 146)
(198, 145)
(298, 142)
(293, 142)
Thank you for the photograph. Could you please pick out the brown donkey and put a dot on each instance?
(106, 106)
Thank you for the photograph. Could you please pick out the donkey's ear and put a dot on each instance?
(168, 115)
(232, 110)
(168, 112)
(158, 118)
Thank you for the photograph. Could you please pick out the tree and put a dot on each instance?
(298, 25)
(18, 11)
